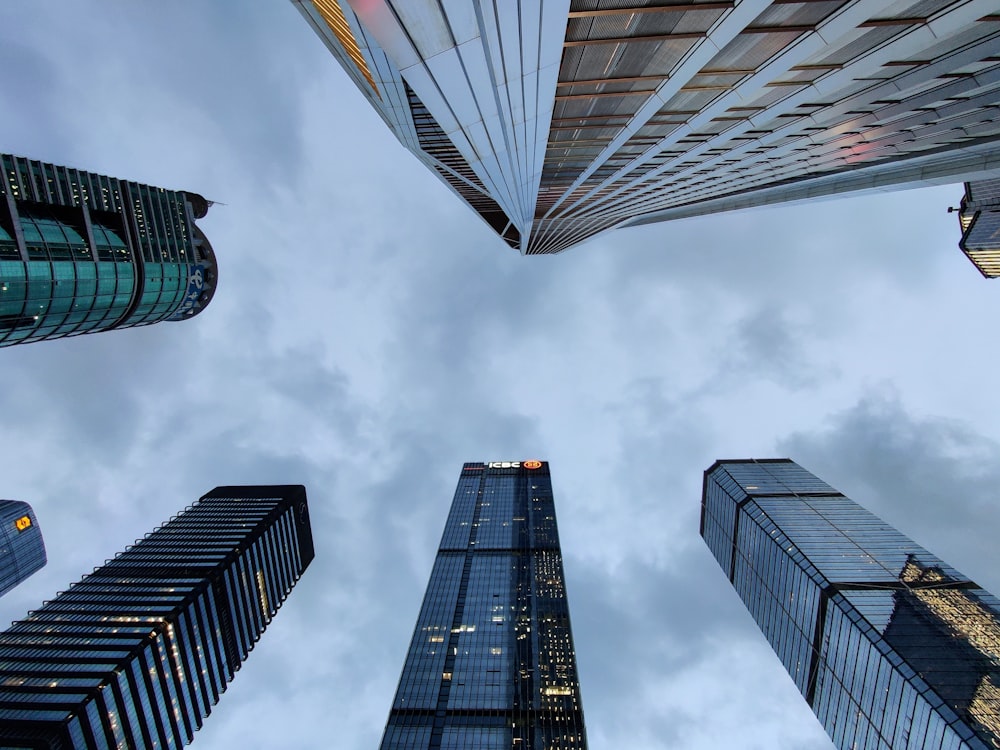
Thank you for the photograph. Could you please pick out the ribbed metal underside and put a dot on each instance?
(641, 124)
(660, 107)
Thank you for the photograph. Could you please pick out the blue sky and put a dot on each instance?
(370, 334)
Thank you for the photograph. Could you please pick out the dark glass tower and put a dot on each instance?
(891, 647)
(979, 217)
(136, 653)
(491, 663)
(22, 551)
(81, 252)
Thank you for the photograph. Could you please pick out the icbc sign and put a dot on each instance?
(514, 464)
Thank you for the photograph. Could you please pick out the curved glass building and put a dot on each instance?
(22, 551)
(82, 252)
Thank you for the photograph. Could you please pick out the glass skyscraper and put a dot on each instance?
(81, 253)
(891, 647)
(556, 120)
(136, 653)
(491, 663)
(22, 550)
(979, 217)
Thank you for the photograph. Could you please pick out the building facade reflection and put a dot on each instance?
(890, 646)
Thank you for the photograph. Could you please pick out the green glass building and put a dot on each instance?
(82, 252)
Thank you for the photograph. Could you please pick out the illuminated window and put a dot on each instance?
(335, 19)
(557, 690)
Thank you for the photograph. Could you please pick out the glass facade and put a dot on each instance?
(891, 647)
(22, 550)
(81, 252)
(979, 217)
(491, 663)
(137, 653)
(559, 120)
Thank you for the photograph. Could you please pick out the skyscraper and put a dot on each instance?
(557, 120)
(979, 217)
(81, 253)
(22, 551)
(491, 663)
(136, 653)
(891, 647)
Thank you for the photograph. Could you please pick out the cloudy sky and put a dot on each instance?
(370, 334)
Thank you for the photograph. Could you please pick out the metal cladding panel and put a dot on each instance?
(137, 653)
(486, 72)
(364, 61)
(557, 107)
(889, 645)
(491, 662)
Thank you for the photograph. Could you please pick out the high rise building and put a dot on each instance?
(22, 550)
(81, 253)
(979, 217)
(136, 653)
(559, 119)
(891, 647)
(491, 663)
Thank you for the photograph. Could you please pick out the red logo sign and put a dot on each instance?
(532, 464)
